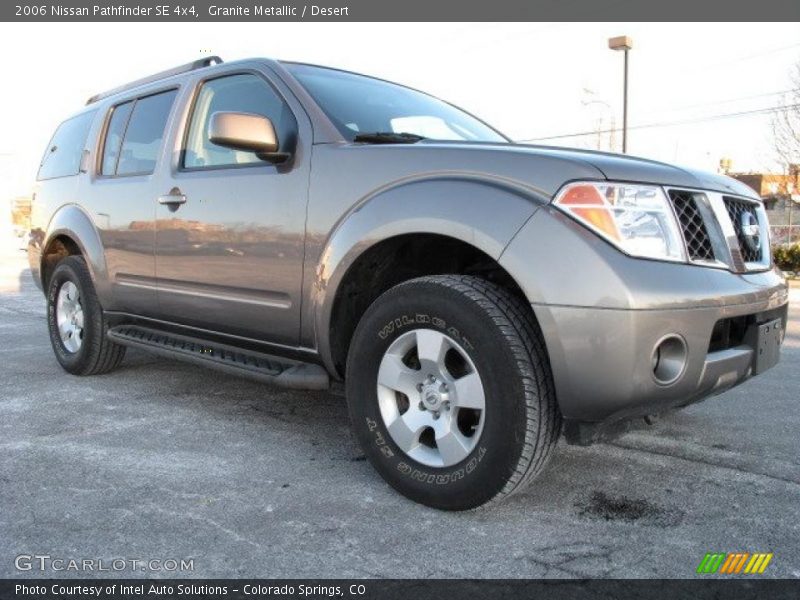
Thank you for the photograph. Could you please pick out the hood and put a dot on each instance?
(620, 167)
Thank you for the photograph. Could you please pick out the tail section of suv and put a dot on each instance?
(305, 226)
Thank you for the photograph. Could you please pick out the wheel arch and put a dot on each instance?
(455, 225)
(72, 232)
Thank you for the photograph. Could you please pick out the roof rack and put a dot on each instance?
(197, 64)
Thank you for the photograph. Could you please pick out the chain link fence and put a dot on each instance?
(784, 224)
(784, 234)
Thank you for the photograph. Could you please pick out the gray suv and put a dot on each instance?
(308, 226)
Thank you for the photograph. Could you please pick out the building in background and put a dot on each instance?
(775, 189)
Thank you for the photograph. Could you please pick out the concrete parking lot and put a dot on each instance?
(162, 460)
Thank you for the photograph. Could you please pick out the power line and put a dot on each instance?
(682, 107)
(771, 109)
(730, 100)
(739, 59)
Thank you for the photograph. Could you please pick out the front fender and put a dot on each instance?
(73, 222)
(483, 213)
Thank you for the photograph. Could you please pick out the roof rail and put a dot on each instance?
(197, 64)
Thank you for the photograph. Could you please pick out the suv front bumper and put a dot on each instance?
(603, 360)
(603, 314)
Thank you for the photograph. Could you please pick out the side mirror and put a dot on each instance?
(245, 132)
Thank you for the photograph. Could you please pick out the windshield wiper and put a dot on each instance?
(387, 137)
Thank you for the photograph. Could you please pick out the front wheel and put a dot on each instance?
(450, 393)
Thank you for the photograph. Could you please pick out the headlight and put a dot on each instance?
(637, 219)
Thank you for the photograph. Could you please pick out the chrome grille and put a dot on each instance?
(695, 233)
(736, 208)
(713, 229)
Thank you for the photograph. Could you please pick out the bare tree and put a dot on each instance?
(786, 123)
(786, 137)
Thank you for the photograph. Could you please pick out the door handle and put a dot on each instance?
(173, 199)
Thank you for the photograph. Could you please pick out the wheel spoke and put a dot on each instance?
(431, 347)
(69, 316)
(436, 398)
(395, 375)
(452, 447)
(405, 429)
(469, 392)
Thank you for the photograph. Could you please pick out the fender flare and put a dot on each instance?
(74, 222)
(485, 213)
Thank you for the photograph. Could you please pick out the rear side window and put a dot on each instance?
(134, 135)
(63, 155)
(116, 129)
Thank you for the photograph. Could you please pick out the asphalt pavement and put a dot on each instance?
(166, 461)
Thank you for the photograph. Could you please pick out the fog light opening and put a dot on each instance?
(669, 359)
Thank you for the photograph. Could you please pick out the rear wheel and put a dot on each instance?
(76, 322)
(450, 392)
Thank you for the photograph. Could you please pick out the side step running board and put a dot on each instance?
(247, 363)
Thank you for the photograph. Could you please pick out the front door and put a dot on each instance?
(230, 226)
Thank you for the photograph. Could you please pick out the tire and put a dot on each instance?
(87, 350)
(455, 455)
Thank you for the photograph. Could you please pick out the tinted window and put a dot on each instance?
(63, 154)
(139, 150)
(236, 93)
(114, 133)
(360, 104)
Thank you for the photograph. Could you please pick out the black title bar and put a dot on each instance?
(401, 10)
(741, 588)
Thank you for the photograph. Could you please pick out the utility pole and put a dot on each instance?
(597, 101)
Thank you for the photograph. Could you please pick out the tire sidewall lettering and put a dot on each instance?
(421, 475)
(423, 321)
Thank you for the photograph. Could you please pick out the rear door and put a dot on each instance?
(229, 251)
(121, 199)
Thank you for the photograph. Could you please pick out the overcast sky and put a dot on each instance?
(530, 80)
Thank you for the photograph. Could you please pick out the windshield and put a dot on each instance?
(361, 105)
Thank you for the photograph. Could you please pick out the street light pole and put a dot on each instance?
(625, 107)
(623, 43)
